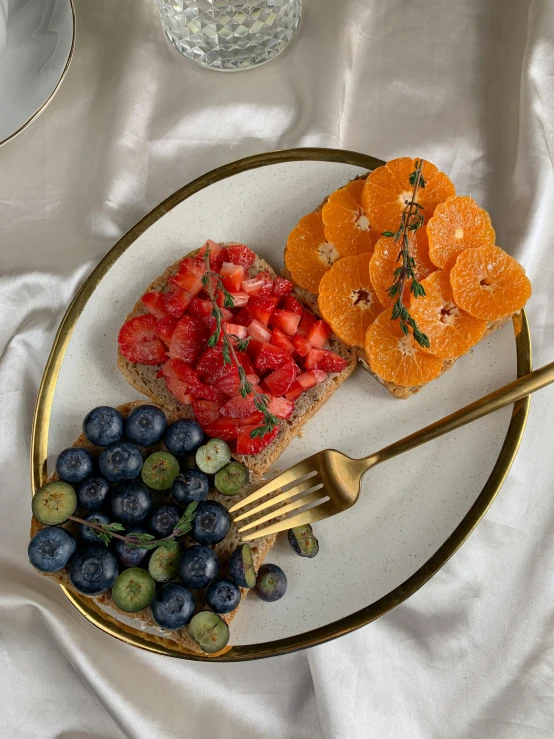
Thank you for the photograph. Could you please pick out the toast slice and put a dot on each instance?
(180, 639)
(398, 391)
(143, 378)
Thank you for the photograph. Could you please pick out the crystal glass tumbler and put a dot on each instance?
(230, 36)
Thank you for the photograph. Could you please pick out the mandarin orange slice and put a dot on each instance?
(457, 224)
(450, 331)
(346, 225)
(386, 259)
(346, 299)
(308, 255)
(488, 283)
(395, 356)
(388, 188)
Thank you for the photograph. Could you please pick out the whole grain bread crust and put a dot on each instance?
(143, 378)
(398, 391)
(179, 640)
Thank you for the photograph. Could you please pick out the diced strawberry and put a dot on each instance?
(241, 254)
(188, 340)
(285, 320)
(239, 407)
(218, 254)
(308, 320)
(210, 362)
(295, 391)
(186, 280)
(292, 304)
(176, 302)
(195, 265)
(262, 284)
(280, 339)
(258, 331)
(254, 420)
(281, 407)
(280, 381)
(271, 357)
(248, 445)
(311, 378)
(179, 379)
(233, 329)
(254, 347)
(222, 428)
(301, 344)
(138, 341)
(165, 328)
(240, 299)
(245, 361)
(227, 380)
(210, 322)
(253, 379)
(318, 334)
(154, 304)
(200, 307)
(232, 276)
(205, 411)
(282, 287)
(312, 358)
(331, 362)
(261, 307)
(243, 317)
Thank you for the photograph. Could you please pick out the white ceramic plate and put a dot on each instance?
(413, 511)
(39, 45)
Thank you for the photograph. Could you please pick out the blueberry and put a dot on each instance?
(74, 464)
(173, 606)
(145, 425)
(103, 425)
(212, 457)
(93, 493)
(303, 541)
(159, 470)
(183, 436)
(93, 570)
(130, 556)
(133, 590)
(88, 535)
(223, 596)
(211, 523)
(51, 549)
(121, 461)
(209, 631)
(164, 519)
(271, 583)
(241, 567)
(190, 485)
(54, 502)
(131, 502)
(163, 565)
(198, 566)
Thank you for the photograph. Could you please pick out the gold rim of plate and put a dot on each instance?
(56, 88)
(39, 439)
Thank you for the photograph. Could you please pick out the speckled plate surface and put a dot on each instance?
(413, 512)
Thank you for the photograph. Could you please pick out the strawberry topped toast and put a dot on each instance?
(285, 364)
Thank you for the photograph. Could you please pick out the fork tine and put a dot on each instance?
(314, 514)
(295, 490)
(306, 500)
(285, 478)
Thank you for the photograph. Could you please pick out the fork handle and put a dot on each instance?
(506, 395)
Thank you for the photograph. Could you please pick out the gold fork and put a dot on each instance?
(329, 481)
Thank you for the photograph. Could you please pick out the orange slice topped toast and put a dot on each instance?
(457, 224)
(385, 261)
(450, 331)
(347, 300)
(346, 225)
(308, 255)
(388, 188)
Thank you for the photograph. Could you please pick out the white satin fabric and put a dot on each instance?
(469, 85)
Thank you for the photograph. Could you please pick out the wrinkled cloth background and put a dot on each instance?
(468, 84)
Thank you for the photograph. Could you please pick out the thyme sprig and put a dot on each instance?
(230, 343)
(109, 531)
(412, 219)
